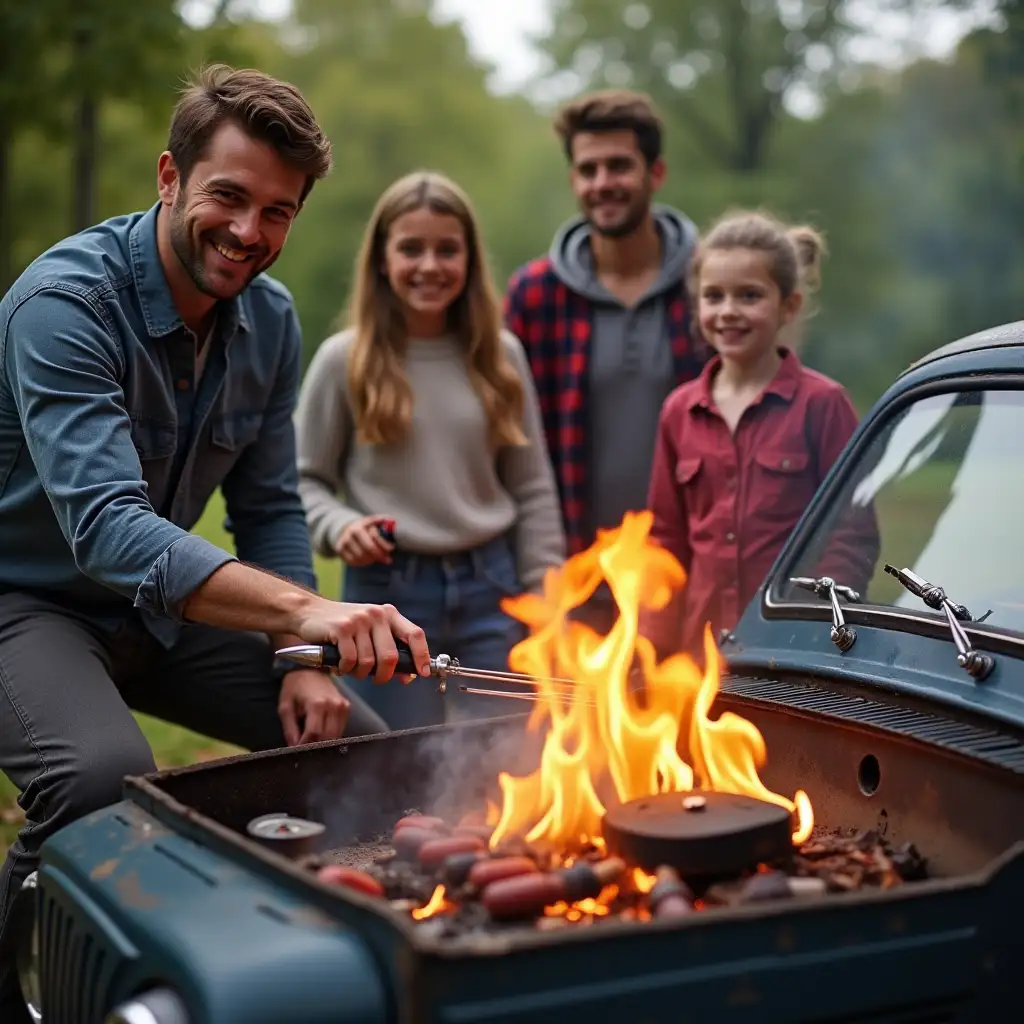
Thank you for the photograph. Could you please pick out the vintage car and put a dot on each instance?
(876, 682)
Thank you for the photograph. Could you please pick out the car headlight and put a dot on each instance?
(157, 1006)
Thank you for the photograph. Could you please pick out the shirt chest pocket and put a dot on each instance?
(687, 470)
(230, 435)
(155, 443)
(153, 439)
(693, 478)
(234, 432)
(783, 482)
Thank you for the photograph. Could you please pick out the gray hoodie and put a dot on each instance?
(631, 369)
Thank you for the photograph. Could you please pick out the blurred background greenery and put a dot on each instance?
(913, 166)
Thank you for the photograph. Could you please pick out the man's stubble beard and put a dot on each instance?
(191, 257)
(625, 228)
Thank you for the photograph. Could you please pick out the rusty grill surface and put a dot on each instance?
(361, 856)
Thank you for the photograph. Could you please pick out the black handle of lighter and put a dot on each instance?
(406, 665)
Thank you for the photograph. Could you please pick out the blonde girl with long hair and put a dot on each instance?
(421, 456)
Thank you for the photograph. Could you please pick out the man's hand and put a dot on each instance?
(238, 596)
(310, 697)
(364, 635)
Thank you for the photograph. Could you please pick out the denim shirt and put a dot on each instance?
(109, 452)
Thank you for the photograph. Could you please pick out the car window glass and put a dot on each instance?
(937, 490)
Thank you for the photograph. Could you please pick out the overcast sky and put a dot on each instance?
(497, 31)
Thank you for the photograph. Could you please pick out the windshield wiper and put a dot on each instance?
(840, 634)
(974, 662)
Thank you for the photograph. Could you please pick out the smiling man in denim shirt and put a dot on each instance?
(144, 363)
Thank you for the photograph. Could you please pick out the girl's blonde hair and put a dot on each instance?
(381, 396)
(794, 252)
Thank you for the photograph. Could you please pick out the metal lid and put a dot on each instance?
(701, 833)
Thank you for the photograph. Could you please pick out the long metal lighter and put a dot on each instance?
(442, 666)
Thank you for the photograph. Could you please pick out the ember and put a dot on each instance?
(515, 883)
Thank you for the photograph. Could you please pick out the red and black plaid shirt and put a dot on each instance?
(554, 324)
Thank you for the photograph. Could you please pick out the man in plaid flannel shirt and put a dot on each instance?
(604, 317)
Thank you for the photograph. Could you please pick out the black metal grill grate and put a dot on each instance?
(997, 749)
(77, 966)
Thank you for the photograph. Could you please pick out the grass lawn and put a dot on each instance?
(172, 746)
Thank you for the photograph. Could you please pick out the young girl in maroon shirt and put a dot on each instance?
(741, 450)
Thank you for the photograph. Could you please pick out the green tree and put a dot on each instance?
(25, 89)
(916, 178)
(721, 68)
(113, 48)
(914, 174)
(130, 126)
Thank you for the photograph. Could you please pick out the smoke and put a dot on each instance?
(448, 771)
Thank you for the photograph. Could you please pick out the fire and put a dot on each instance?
(592, 907)
(434, 905)
(601, 736)
(643, 881)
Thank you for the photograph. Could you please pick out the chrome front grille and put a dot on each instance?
(77, 960)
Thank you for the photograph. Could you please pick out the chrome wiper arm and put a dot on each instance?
(933, 596)
(824, 585)
(974, 662)
(842, 635)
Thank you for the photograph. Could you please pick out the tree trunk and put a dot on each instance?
(83, 137)
(83, 167)
(755, 128)
(6, 232)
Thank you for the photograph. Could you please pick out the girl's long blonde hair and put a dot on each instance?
(381, 397)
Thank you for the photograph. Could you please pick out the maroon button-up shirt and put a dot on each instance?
(724, 504)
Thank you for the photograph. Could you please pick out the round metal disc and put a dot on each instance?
(722, 833)
(283, 827)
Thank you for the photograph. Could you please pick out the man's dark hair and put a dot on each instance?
(272, 111)
(612, 110)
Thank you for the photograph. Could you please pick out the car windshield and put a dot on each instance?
(937, 490)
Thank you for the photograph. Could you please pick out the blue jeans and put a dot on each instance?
(455, 599)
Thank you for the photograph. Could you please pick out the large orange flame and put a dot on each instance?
(600, 735)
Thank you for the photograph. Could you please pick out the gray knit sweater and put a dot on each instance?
(445, 485)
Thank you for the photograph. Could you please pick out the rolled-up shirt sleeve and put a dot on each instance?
(261, 492)
(64, 370)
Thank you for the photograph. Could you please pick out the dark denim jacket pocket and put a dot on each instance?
(153, 439)
(235, 431)
(229, 435)
(155, 443)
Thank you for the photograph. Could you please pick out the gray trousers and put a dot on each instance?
(67, 735)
